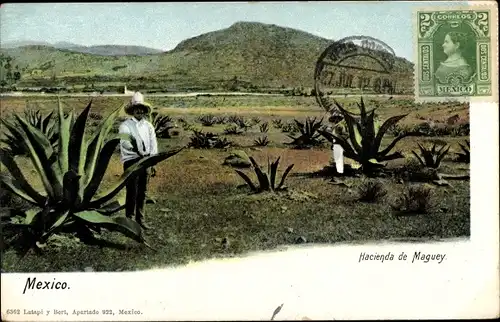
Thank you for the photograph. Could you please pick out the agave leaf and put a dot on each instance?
(75, 153)
(14, 187)
(126, 226)
(362, 108)
(247, 180)
(40, 151)
(30, 215)
(64, 136)
(71, 187)
(358, 137)
(354, 135)
(95, 144)
(111, 208)
(300, 126)
(263, 179)
(393, 156)
(441, 156)
(369, 134)
(346, 146)
(274, 170)
(59, 224)
(392, 144)
(441, 149)
(99, 169)
(144, 163)
(282, 182)
(8, 161)
(384, 128)
(418, 158)
(47, 119)
(427, 155)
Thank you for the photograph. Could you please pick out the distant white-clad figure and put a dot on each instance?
(338, 157)
(338, 153)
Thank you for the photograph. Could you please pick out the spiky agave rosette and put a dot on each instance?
(364, 140)
(46, 124)
(71, 176)
(266, 181)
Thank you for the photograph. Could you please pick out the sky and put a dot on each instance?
(164, 25)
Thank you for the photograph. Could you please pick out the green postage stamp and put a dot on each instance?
(456, 53)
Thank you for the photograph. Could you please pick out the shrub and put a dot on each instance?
(207, 120)
(234, 119)
(309, 133)
(232, 130)
(289, 127)
(262, 141)
(264, 127)
(220, 119)
(277, 123)
(244, 124)
(415, 200)
(431, 158)
(201, 140)
(371, 191)
(266, 181)
(71, 176)
(256, 120)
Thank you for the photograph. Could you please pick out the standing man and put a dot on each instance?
(144, 134)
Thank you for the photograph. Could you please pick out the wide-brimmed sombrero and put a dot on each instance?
(137, 101)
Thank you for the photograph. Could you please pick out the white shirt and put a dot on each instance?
(145, 136)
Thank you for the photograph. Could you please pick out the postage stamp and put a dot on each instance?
(456, 54)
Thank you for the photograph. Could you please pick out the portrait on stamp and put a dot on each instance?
(455, 66)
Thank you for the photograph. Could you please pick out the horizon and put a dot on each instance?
(123, 24)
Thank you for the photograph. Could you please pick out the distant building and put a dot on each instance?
(126, 91)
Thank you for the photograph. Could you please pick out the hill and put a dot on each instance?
(246, 54)
(105, 50)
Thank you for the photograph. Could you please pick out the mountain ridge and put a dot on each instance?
(104, 50)
(245, 54)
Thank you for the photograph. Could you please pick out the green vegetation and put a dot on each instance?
(162, 124)
(45, 124)
(365, 138)
(71, 176)
(309, 135)
(431, 158)
(464, 156)
(245, 57)
(267, 181)
(201, 200)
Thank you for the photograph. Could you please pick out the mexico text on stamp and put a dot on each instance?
(456, 54)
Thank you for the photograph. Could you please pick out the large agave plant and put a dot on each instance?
(431, 158)
(46, 124)
(363, 144)
(71, 175)
(267, 181)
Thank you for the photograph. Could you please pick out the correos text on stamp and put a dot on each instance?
(456, 53)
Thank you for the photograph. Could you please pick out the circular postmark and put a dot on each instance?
(354, 65)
